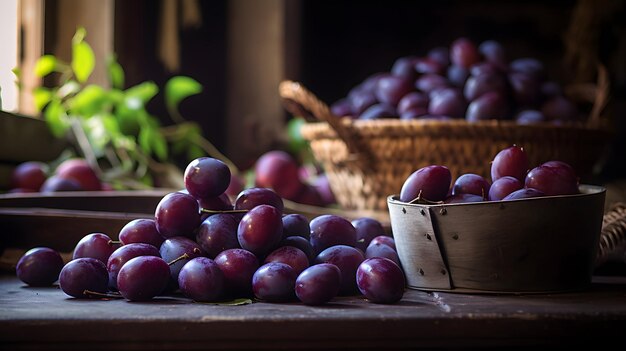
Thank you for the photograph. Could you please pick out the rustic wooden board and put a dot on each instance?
(45, 318)
(59, 220)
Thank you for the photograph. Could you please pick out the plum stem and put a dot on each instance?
(181, 257)
(206, 210)
(90, 293)
(114, 242)
(420, 199)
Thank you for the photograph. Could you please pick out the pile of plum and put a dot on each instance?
(209, 249)
(470, 81)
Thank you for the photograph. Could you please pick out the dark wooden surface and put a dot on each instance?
(45, 318)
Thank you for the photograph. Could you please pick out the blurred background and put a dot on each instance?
(240, 50)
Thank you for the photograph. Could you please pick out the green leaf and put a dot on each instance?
(178, 88)
(116, 72)
(145, 134)
(45, 65)
(56, 118)
(111, 125)
(296, 143)
(116, 96)
(18, 75)
(144, 92)
(90, 101)
(83, 60)
(159, 146)
(42, 97)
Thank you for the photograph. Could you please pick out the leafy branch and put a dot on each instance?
(111, 127)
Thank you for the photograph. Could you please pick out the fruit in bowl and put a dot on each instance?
(510, 178)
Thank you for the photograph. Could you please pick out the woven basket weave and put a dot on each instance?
(367, 160)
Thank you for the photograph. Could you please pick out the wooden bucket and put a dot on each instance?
(545, 244)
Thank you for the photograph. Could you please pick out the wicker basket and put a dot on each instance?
(367, 160)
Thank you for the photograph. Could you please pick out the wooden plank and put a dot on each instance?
(46, 318)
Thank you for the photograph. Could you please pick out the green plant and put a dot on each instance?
(112, 128)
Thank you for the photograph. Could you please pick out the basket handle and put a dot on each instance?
(301, 102)
(596, 93)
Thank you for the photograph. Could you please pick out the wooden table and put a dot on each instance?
(45, 318)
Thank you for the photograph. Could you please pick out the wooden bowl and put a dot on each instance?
(536, 245)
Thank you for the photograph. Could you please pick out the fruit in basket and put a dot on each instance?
(39, 266)
(29, 175)
(464, 53)
(447, 102)
(429, 183)
(530, 117)
(380, 280)
(382, 110)
(390, 89)
(491, 105)
(559, 108)
(475, 70)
